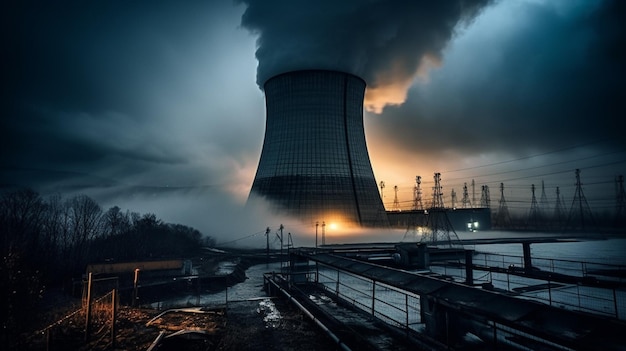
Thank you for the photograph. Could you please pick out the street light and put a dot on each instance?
(317, 224)
(324, 233)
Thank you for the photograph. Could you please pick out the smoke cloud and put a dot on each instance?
(389, 43)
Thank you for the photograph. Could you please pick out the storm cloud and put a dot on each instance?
(156, 106)
(387, 43)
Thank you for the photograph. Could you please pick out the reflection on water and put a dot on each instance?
(612, 251)
(599, 249)
(251, 288)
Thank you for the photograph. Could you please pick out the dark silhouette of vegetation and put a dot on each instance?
(47, 242)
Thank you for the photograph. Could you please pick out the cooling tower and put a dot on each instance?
(314, 164)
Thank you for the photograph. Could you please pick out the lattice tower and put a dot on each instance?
(503, 218)
(417, 194)
(473, 193)
(534, 216)
(559, 208)
(453, 198)
(437, 192)
(440, 231)
(396, 203)
(485, 197)
(544, 206)
(580, 216)
(465, 201)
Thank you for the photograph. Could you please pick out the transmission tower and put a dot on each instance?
(473, 194)
(382, 188)
(417, 194)
(453, 198)
(437, 192)
(439, 229)
(620, 201)
(396, 203)
(503, 219)
(465, 202)
(485, 197)
(580, 215)
(415, 223)
(544, 206)
(534, 217)
(559, 208)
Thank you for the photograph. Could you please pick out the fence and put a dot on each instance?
(403, 309)
(392, 305)
(96, 316)
(599, 300)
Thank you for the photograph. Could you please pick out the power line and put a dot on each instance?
(528, 157)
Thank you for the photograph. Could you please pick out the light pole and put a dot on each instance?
(324, 233)
(317, 224)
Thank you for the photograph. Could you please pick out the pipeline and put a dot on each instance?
(332, 335)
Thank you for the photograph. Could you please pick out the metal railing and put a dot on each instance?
(608, 301)
(394, 306)
(403, 309)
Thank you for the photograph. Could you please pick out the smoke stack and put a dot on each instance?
(314, 165)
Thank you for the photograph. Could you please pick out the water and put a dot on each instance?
(610, 250)
(250, 289)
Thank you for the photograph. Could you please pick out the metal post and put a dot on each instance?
(113, 317)
(317, 272)
(615, 304)
(135, 280)
(469, 267)
(508, 282)
(317, 224)
(550, 292)
(447, 332)
(281, 244)
(373, 297)
(406, 306)
(49, 339)
(88, 308)
(267, 244)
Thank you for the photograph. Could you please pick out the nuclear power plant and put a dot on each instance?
(314, 165)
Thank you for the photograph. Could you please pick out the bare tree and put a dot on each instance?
(86, 225)
(115, 222)
(21, 215)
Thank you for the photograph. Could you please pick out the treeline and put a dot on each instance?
(48, 241)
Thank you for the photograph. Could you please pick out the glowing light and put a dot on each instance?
(332, 226)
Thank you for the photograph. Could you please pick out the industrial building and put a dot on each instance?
(314, 165)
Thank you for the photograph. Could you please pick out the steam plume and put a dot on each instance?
(386, 42)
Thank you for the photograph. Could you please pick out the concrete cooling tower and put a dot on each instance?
(314, 165)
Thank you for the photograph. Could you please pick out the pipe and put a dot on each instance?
(313, 318)
(156, 341)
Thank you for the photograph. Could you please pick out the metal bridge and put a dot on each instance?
(434, 312)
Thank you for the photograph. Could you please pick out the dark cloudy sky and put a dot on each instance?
(165, 94)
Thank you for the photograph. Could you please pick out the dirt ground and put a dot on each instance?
(247, 330)
(246, 325)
